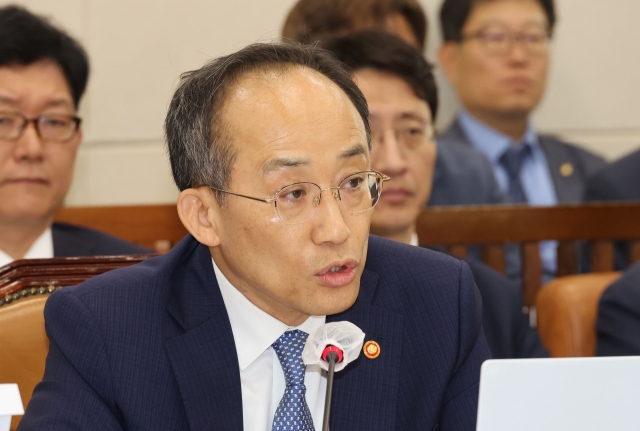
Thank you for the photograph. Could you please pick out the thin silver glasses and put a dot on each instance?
(297, 203)
(53, 128)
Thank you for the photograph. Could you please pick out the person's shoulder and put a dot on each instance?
(626, 289)
(590, 161)
(132, 285)
(72, 240)
(620, 180)
(413, 279)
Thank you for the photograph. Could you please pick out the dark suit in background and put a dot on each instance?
(506, 327)
(569, 188)
(620, 181)
(70, 240)
(150, 347)
(463, 176)
(618, 324)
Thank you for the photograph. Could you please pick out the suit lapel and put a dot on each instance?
(364, 393)
(454, 133)
(204, 358)
(563, 170)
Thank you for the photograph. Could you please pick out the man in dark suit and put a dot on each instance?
(495, 54)
(43, 74)
(620, 181)
(196, 339)
(402, 97)
(618, 324)
(462, 176)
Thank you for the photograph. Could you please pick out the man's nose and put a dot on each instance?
(29, 146)
(518, 52)
(388, 155)
(329, 221)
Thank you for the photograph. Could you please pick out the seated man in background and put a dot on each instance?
(462, 176)
(618, 324)
(43, 73)
(402, 97)
(270, 147)
(495, 54)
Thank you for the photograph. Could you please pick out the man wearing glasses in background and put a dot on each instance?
(43, 74)
(270, 147)
(496, 56)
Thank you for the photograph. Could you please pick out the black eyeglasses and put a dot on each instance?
(53, 128)
(297, 203)
(498, 40)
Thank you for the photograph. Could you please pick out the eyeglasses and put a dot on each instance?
(53, 128)
(297, 203)
(498, 40)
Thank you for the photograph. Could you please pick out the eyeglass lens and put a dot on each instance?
(57, 128)
(359, 192)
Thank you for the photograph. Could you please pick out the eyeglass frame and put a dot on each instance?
(38, 121)
(511, 37)
(274, 199)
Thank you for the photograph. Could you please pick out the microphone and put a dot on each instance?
(332, 346)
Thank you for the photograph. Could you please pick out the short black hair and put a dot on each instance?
(385, 52)
(26, 38)
(311, 20)
(454, 14)
(200, 149)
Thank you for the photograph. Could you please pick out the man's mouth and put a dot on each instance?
(25, 180)
(338, 274)
(395, 195)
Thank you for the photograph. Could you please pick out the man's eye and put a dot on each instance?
(352, 183)
(56, 122)
(534, 38)
(494, 37)
(5, 121)
(292, 195)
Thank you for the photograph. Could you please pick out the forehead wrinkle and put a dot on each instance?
(283, 162)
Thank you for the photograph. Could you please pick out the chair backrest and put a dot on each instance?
(567, 309)
(157, 227)
(25, 286)
(494, 226)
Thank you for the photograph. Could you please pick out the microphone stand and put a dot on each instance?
(332, 357)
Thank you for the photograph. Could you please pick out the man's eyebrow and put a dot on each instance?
(7, 100)
(356, 150)
(283, 162)
(59, 102)
(412, 116)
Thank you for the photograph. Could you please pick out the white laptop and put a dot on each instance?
(565, 394)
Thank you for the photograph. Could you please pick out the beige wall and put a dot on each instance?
(138, 48)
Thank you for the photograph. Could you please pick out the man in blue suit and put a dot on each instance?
(270, 147)
(43, 75)
(495, 54)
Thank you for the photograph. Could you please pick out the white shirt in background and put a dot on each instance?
(261, 375)
(42, 248)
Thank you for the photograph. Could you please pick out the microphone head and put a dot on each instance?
(332, 349)
(343, 337)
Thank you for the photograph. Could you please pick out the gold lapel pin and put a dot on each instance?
(371, 349)
(566, 170)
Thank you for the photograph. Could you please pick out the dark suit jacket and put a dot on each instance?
(620, 181)
(507, 329)
(70, 240)
(463, 176)
(150, 347)
(618, 324)
(569, 189)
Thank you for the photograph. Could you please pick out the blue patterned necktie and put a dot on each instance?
(512, 161)
(293, 412)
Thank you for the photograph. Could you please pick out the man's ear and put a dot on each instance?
(198, 209)
(448, 61)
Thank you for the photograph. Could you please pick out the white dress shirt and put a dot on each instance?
(261, 375)
(42, 248)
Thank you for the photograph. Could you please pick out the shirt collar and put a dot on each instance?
(254, 331)
(42, 248)
(490, 141)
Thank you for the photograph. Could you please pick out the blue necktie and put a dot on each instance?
(512, 161)
(293, 412)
